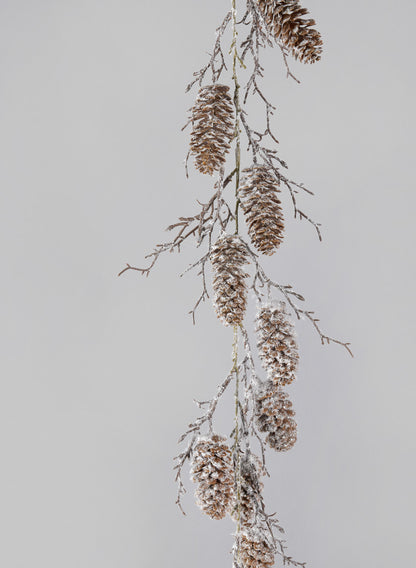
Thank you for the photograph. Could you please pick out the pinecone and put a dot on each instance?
(277, 345)
(262, 208)
(274, 415)
(213, 471)
(285, 22)
(227, 257)
(250, 490)
(212, 120)
(255, 551)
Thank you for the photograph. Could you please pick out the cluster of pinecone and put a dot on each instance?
(213, 129)
(219, 490)
(278, 352)
(216, 494)
(212, 466)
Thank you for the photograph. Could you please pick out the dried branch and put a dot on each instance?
(271, 159)
(288, 71)
(194, 430)
(201, 225)
(217, 67)
(261, 281)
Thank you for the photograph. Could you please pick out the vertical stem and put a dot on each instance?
(237, 113)
(237, 457)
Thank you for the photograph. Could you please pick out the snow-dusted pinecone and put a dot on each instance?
(212, 120)
(277, 345)
(275, 416)
(227, 257)
(262, 208)
(285, 21)
(212, 469)
(255, 551)
(250, 490)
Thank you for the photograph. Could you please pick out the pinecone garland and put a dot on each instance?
(274, 415)
(212, 120)
(213, 471)
(285, 21)
(228, 255)
(262, 208)
(250, 489)
(277, 345)
(255, 551)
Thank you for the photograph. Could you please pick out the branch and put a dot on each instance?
(216, 68)
(194, 430)
(261, 280)
(201, 225)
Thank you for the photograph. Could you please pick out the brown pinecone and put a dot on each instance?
(255, 551)
(262, 208)
(274, 415)
(212, 120)
(250, 490)
(285, 22)
(277, 345)
(227, 258)
(213, 471)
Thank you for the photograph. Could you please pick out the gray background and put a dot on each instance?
(98, 373)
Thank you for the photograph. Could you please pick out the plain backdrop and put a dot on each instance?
(98, 373)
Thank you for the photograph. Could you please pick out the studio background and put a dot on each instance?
(99, 372)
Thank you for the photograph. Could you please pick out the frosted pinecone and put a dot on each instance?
(262, 208)
(274, 415)
(277, 345)
(284, 19)
(251, 487)
(212, 469)
(212, 120)
(227, 257)
(254, 550)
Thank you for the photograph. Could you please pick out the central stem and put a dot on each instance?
(236, 60)
(237, 457)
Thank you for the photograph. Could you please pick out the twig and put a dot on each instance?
(216, 68)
